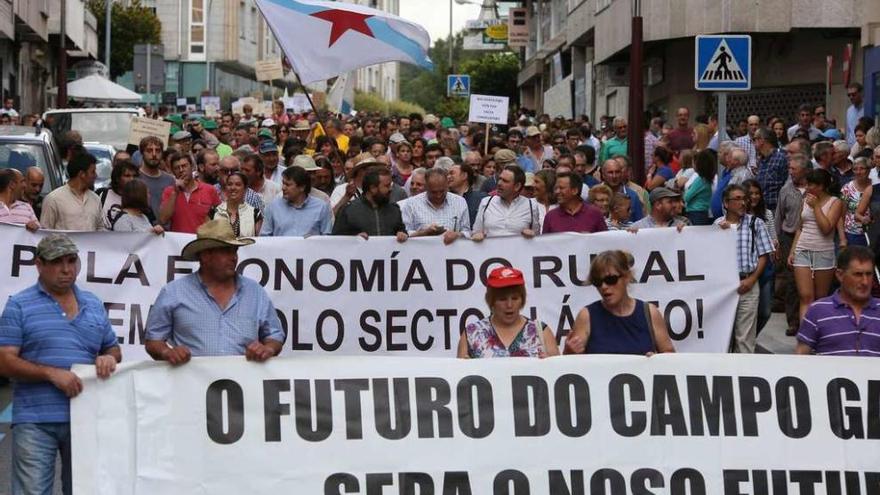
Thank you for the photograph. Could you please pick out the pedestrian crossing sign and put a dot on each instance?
(458, 85)
(723, 63)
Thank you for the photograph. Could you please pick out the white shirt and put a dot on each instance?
(496, 217)
(269, 192)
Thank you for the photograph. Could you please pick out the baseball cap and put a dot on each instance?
(447, 122)
(265, 133)
(54, 246)
(181, 136)
(268, 147)
(397, 138)
(532, 131)
(268, 123)
(504, 156)
(659, 193)
(505, 276)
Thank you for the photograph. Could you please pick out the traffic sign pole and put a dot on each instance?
(722, 116)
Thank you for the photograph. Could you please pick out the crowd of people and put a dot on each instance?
(799, 198)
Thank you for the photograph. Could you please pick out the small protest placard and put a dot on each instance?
(268, 70)
(488, 109)
(142, 127)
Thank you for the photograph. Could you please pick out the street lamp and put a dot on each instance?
(451, 42)
(207, 23)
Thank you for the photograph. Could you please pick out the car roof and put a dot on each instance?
(94, 110)
(24, 132)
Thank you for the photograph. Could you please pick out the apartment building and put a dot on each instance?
(578, 59)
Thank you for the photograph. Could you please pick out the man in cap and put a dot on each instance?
(308, 164)
(271, 169)
(44, 330)
(617, 145)
(663, 205)
(214, 311)
(300, 129)
(182, 141)
(534, 152)
(297, 212)
(502, 158)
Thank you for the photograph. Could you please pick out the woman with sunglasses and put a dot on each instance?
(617, 323)
(506, 332)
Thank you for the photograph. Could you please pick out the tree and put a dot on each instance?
(129, 26)
(491, 74)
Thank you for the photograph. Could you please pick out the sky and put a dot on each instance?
(433, 15)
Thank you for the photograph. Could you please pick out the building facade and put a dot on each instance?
(30, 33)
(578, 59)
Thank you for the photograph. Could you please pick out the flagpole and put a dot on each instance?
(305, 90)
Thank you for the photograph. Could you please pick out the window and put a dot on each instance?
(197, 29)
(255, 19)
(242, 21)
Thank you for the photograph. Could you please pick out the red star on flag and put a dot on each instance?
(343, 21)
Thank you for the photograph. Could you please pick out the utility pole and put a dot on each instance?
(107, 35)
(62, 59)
(451, 39)
(636, 125)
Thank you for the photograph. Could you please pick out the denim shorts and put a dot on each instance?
(814, 260)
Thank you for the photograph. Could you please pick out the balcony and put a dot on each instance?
(31, 20)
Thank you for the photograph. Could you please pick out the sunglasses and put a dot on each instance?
(608, 280)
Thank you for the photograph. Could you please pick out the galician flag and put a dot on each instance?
(325, 39)
(340, 99)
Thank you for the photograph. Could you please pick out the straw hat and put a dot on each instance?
(211, 235)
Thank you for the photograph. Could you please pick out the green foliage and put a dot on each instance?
(129, 26)
(492, 73)
(368, 102)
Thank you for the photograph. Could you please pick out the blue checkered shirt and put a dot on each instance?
(772, 174)
(750, 243)
(745, 143)
(186, 314)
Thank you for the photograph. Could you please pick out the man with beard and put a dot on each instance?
(372, 213)
(155, 179)
(208, 162)
(74, 206)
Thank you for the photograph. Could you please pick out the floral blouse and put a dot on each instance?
(483, 342)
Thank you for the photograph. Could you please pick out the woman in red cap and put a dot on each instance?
(617, 323)
(506, 333)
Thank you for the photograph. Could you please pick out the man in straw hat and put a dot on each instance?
(214, 311)
(45, 329)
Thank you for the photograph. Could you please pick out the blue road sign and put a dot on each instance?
(458, 85)
(723, 63)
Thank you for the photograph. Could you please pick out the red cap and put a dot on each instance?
(504, 276)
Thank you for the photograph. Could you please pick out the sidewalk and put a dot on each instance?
(773, 340)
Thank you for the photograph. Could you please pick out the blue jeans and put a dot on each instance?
(34, 447)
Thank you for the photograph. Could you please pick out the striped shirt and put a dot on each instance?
(20, 213)
(35, 323)
(830, 328)
(186, 314)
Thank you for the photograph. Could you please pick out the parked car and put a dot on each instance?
(104, 153)
(98, 125)
(24, 147)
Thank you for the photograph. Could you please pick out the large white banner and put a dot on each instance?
(345, 295)
(671, 424)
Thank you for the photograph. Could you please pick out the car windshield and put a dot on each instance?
(99, 127)
(22, 156)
